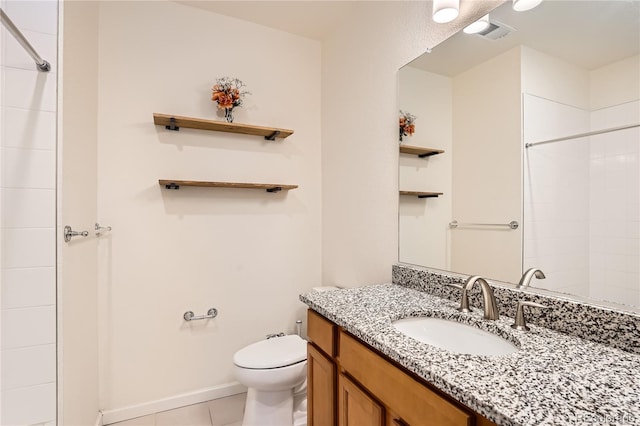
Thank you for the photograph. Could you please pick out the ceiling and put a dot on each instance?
(311, 19)
(587, 33)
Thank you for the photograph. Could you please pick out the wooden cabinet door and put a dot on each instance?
(355, 407)
(321, 387)
(395, 420)
(400, 392)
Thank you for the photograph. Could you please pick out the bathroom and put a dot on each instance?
(123, 347)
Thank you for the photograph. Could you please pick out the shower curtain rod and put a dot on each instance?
(42, 65)
(582, 135)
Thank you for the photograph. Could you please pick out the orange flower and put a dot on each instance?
(228, 93)
(407, 128)
(225, 101)
(410, 129)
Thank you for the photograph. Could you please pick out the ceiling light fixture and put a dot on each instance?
(478, 26)
(522, 5)
(445, 10)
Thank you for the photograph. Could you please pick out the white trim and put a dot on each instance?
(177, 401)
(99, 419)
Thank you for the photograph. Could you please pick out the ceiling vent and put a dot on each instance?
(496, 31)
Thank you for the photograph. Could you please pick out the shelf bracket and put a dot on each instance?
(426, 154)
(172, 125)
(275, 188)
(427, 196)
(272, 136)
(172, 185)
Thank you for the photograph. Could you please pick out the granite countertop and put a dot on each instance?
(554, 379)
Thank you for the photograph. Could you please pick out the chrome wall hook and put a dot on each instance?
(101, 229)
(70, 233)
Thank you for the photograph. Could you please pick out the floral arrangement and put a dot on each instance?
(228, 93)
(407, 128)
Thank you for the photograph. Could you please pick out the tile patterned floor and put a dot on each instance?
(219, 412)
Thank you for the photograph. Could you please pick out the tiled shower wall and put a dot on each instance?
(556, 195)
(615, 201)
(28, 217)
(582, 198)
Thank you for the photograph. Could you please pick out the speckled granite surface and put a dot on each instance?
(620, 329)
(554, 379)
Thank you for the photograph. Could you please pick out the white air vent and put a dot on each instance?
(496, 31)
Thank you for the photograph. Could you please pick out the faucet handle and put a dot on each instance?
(464, 301)
(521, 323)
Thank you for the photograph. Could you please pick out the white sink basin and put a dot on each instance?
(454, 336)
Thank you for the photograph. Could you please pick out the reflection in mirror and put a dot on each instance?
(567, 74)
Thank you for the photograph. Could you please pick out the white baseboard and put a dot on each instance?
(99, 419)
(177, 401)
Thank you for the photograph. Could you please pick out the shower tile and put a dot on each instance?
(17, 57)
(597, 147)
(30, 129)
(192, 415)
(29, 366)
(29, 405)
(29, 89)
(614, 116)
(28, 327)
(28, 287)
(29, 248)
(28, 168)
(227, 410)
(28, 208)
(40, 16)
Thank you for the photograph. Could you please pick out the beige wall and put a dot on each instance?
(78, 274)
(615, 83)
(247, 253)
(359, 147)
(424, 223)
(554, 78)
(556, 217)
(487, 168)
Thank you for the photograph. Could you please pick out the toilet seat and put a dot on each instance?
(272, 353)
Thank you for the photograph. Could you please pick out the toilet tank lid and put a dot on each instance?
(272, 353)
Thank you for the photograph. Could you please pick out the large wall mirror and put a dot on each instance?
(535, 126)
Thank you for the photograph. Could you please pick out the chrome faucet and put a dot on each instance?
(528, 276)
(488, 298)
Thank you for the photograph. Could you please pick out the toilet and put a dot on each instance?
(271, 370)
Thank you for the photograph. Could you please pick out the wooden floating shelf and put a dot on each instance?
(174, 122)
(269, 187)
(420, 194)
(419, 151)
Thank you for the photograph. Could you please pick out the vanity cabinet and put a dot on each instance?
(356, 407)
(321, 385)
(366, 388)
(321, 371)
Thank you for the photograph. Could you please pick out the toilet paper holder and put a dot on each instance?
(190, 316)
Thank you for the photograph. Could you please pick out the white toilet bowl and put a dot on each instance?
(271, 369)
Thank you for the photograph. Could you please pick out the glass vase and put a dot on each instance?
(228, 115)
